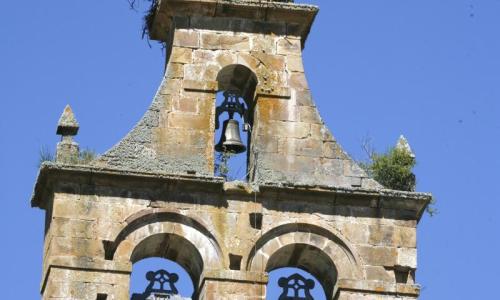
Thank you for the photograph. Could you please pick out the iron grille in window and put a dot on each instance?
(296, 287)
(161, 286)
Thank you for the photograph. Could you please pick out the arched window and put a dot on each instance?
(234, 121)
(317, 262)
(165, 264)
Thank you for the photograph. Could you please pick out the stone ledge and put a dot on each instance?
(410, 201)
(201, 86)
(52, 169)
(276, 92)
(239, 187)
(378, 287)
(382, 199)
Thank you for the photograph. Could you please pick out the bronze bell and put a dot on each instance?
(230, 140)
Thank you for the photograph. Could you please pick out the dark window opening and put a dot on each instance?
(101, 297)
(256, 220)
(235, 262)
(402, 276)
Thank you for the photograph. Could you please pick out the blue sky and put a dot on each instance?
(423, 68)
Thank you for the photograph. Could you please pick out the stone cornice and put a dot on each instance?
(48, 170)
(388, 199)
(298, 17)
(370, 286)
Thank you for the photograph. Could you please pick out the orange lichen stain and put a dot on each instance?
(379, 289)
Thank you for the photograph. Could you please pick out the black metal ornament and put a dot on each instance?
(233, 103)
(296, 287)
(161, 286)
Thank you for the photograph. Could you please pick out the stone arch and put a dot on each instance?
(148, 216)
(165, 234)
(238, 77)
(316, 250)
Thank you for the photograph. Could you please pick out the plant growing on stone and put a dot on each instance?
(222, 164)
(84, 157)
(394, 168)
(45, 155)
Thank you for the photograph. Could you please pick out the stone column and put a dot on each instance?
(228, 285)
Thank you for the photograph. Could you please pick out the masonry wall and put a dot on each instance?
(84, 218)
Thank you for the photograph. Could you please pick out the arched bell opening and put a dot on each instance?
(177, 250)
(233, 121)
(293, 283)
(162, 277)
(306, 258)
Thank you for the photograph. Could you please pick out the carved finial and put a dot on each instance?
(404, 145)
(67, 124)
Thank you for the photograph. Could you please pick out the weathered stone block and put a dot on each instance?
(264, 43)
(187, 38)
(289, 46)
(188, 121)
(201, 72)
(320, 131)
(298, 81)
(225, 58)
(201, 56)
(64, 227)
(303, 147)
(275, 109)
(175, 70)
(407, 257)
(303, 98)
(76, 247)
(272, 62)
(181, 55)
(294, 64)
(216, 41)
(381, 235)
(379, 256)
(296, 130)
(356, 233)
(170, 87)
(309, 114)
(405, 237)
(188, 105)
(333, 150)
(379, 274)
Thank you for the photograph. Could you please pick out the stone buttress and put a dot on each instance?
(154, 194)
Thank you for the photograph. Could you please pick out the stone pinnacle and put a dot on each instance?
(404, 145)
(67, 124)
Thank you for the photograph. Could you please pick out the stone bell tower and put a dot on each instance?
(305, 203)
